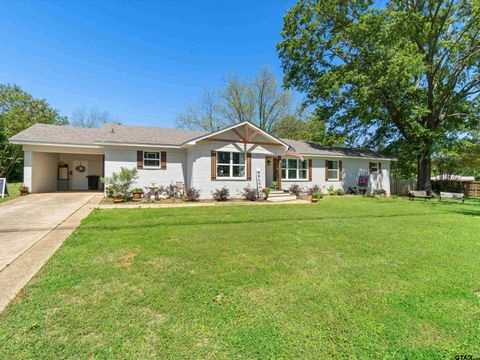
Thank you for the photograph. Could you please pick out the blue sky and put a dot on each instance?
(144, 62)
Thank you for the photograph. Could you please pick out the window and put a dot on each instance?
(333, 170)
(231, 165)
(374, 167)
(151, 159)
(294, 169)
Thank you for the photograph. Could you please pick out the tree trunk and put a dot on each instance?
(424, 171)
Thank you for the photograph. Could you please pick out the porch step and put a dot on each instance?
(277, 192)
(281, 197)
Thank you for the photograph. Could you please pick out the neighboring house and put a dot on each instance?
(453, 177)
(231, 157)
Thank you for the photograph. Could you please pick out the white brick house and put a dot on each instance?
(59, 157)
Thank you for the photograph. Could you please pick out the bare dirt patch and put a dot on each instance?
(127, 260)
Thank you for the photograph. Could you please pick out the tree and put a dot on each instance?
(272, 104)
(90, 118)
(238, 100)
(206, 115)
(259, 101)
(313, 129)
(408, 71)
(18, 111)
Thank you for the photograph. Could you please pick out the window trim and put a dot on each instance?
(231, 165)
(150, 166)
(297, 168)
(370, 165)
(337, 178)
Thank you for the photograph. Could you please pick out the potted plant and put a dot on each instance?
(118, 198)
(266, 191)
(137, 193)
(24, 190)
(317, 196)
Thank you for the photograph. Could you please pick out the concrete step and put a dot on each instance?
(285, 197)
(279, 194)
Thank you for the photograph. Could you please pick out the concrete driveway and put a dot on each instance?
(25, 221)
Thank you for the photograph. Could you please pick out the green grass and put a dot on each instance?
(13, 191)
(347, 278)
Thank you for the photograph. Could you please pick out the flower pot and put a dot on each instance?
(118, 200)
(314, 200)
(137, 195)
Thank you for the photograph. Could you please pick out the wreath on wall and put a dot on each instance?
(80, 168)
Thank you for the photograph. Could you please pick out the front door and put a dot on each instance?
(275, 169)
(79, 175)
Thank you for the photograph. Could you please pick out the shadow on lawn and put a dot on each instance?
(454, 206)
(276, 220)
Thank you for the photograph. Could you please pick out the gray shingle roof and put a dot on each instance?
(147, 135)
(152, 135)
(311, 148)
(45, 133)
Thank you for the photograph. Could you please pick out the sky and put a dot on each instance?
(144, 62)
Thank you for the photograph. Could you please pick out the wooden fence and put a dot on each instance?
(469, 188)
(402, 186)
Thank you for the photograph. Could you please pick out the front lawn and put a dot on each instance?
(349, 277)
(13, 191)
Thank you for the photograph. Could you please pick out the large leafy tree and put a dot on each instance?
(18, 111)
(406, 72)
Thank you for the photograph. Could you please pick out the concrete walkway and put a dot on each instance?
(32, 228)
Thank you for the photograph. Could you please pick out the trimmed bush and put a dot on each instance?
(250, 194)
(222, 194)
(192, 194)
(314, 189)
(295, 189)
(340, 192)
(172, 191)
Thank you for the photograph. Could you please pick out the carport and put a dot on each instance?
(62, 169)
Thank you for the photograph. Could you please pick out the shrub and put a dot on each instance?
(122, 182)
(331, 190)
(266, 191)
(250, 194)
(222, 194)
(295, 189)
(137, 190)
(274, 185)
(352, 191)
(109, 191)
(192, 194)
(340, 192)
(318, 195)
(379, 192)
(314, 189)
(172, 191)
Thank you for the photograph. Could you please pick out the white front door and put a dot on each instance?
(79, 178)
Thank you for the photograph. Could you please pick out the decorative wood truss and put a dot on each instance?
(246, 137)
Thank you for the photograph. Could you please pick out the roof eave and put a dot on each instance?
(48, 143)
(347, 156)
(114, 143)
